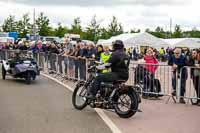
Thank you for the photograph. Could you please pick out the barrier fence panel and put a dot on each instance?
(52, 63)
(2, 54)
(41, 60)
(59, 65)
(72, 68)
(151, 79)
(189, 84)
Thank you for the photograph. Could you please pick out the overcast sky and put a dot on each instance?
(131, 13)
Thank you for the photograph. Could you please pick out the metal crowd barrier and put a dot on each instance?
(191, 88)
(68, 67)
(152, 80)
(149, 78)
(2, 54)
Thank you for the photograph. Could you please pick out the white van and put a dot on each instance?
(73, 37)
(51, 39)
(6, 39)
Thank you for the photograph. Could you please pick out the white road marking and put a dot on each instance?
(100, 112)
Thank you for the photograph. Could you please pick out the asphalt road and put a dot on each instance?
(43, 107)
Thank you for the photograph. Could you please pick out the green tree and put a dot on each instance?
(147, 30)
(103, 34)
(60, 31)
(42, 23)
(9, 24)
(115, 28)
(92, 31)
(159, 32)
(192, 33)
(177, 32)
(24, 26)
(76, 26)
(135, 30)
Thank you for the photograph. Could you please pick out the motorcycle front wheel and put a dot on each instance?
(79, 99)
(126, 104)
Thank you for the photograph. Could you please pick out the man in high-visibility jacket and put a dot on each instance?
(105, 56)
(162, 53)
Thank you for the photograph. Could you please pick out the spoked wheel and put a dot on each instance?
(3, 73)
(79, 100)
(127, 104)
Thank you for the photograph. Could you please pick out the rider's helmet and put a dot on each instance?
(118, 44)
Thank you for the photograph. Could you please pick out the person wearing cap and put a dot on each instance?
(119, 64)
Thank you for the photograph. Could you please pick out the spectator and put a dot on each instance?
(76, 62)
(151, 60)
(22, 46)
(105, 56)
(71, 62)
(99, 51)
(82, 62)
(35, 50)
(134, 54)
(15, 46)
(8, 47)
(130, 52)
(91, 52)
(2, 54)
(167, 50)
(195, 72)
(68, 48)
(53, 54)
(178, 61)
(149, 72)
(45, 50)
(162, 54)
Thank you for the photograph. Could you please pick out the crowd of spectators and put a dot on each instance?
(73, 57)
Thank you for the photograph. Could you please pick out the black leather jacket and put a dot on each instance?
(120, 63)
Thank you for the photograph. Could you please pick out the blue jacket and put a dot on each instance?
(181, 62)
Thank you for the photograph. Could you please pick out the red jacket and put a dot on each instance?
(152, 61)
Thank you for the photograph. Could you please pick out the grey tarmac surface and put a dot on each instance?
(159, 117)
(43, 107)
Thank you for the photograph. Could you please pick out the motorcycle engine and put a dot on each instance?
(106, 89)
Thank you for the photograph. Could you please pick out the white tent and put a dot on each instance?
(146, 39)
(137, 39)
(184, 42)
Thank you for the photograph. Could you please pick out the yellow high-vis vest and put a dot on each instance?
(104, 59)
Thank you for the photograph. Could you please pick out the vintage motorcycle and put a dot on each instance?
(112, 96)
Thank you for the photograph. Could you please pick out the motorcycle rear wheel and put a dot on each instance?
(127, 100)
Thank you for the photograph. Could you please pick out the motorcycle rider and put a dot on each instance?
(15, 59)
(119, 64)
